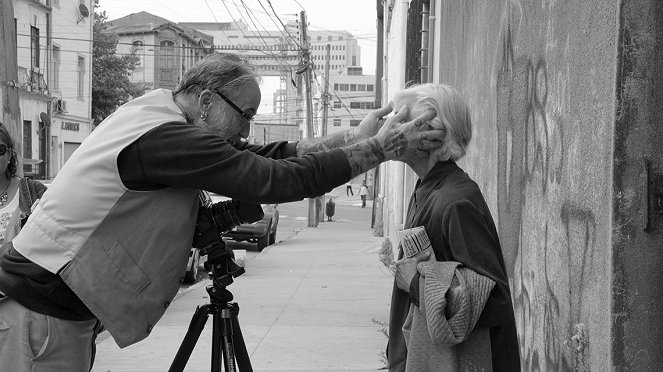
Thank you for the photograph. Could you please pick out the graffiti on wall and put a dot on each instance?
(549, 274)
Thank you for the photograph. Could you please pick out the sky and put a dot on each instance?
(355, 16)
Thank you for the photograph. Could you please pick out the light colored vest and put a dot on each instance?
(122, 252)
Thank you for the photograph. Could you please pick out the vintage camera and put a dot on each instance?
(213, 220)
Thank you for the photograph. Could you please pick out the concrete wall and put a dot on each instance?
(637, 255)
(540, 79)
(566, 101)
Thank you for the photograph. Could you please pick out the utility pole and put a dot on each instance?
(306, 70)
(325, 120)
(325, 97)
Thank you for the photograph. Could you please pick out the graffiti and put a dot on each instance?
(548, 242)
(530, 144)
(539, 313)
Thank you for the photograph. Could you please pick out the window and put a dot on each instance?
(81, 76)
(361, 87)
(167, 75)
(340, 37)
(319, 38)
(344, 87)
(337, 104)
(335, 86)
(353, 87)
(354, 105)
(138, 49)
(337, 122)
(34, 46)
(55, 74)
(369, 87)
(354, 122)
(329, 38)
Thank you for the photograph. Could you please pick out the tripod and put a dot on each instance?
(227, 340)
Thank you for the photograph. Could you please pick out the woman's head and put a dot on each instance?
(452, 116)
(8, 161)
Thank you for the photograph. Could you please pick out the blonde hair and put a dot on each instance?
(452, 115)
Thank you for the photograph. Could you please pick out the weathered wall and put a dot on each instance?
(566, 100)
(637, 254)
(540, 79)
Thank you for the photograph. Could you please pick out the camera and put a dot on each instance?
(213, 220)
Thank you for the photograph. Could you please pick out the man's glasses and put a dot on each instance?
(246, 116)
(3, 149)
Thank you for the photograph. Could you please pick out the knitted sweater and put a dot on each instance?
(439, 333)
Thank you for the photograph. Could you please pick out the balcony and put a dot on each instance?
(32, 80)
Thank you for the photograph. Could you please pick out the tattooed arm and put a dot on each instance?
(366, 129)
(394, 141)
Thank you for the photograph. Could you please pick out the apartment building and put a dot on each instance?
(54, 58)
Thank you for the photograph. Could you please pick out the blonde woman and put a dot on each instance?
(450, 310)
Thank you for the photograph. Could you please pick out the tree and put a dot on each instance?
(111, 86)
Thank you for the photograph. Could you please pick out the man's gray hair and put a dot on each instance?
(452, 115)
(226, 72)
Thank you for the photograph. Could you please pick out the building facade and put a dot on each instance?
(54, 57)
(165, 49)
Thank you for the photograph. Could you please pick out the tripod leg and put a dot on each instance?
(222, 342)
(192, 334)
(241, 353)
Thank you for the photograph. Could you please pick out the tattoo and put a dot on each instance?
(330, 142)
(398, 144)
(364, 155)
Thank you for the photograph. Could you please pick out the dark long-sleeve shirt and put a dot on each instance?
(182, 155)
(449, 204)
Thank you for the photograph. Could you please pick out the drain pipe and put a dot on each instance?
(424, 34)
(431, 41)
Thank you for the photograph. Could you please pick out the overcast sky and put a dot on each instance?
(356, 16)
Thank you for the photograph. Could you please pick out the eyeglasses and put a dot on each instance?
(246, 116)
(3, 149)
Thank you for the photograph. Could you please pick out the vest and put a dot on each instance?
(121, 251)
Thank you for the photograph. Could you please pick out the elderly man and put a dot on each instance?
(110, 237)
(451, 308)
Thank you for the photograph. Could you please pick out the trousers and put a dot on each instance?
(34, 342)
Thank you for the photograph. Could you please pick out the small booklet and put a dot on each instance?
(415, 241)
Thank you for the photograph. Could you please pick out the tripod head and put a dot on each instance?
(213, 220)
(221, 264)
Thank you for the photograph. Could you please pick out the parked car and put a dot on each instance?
(262, 232)
(195, 260)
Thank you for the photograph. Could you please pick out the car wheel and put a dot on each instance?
(274, 225)
(191, 274)
(272, 237)
(263, 241)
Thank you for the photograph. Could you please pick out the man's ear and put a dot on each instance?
(205, 99)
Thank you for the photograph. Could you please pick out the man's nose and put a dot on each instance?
(246, 129)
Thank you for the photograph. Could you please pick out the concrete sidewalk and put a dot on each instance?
(306, 304)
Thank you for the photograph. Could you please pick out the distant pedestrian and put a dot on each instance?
(363, 191)
(348, 189)
(330, 209)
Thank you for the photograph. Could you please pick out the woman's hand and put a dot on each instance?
(406, 268)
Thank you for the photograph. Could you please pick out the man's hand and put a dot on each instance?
(406, 268)
(372, 122)
(400, 140)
